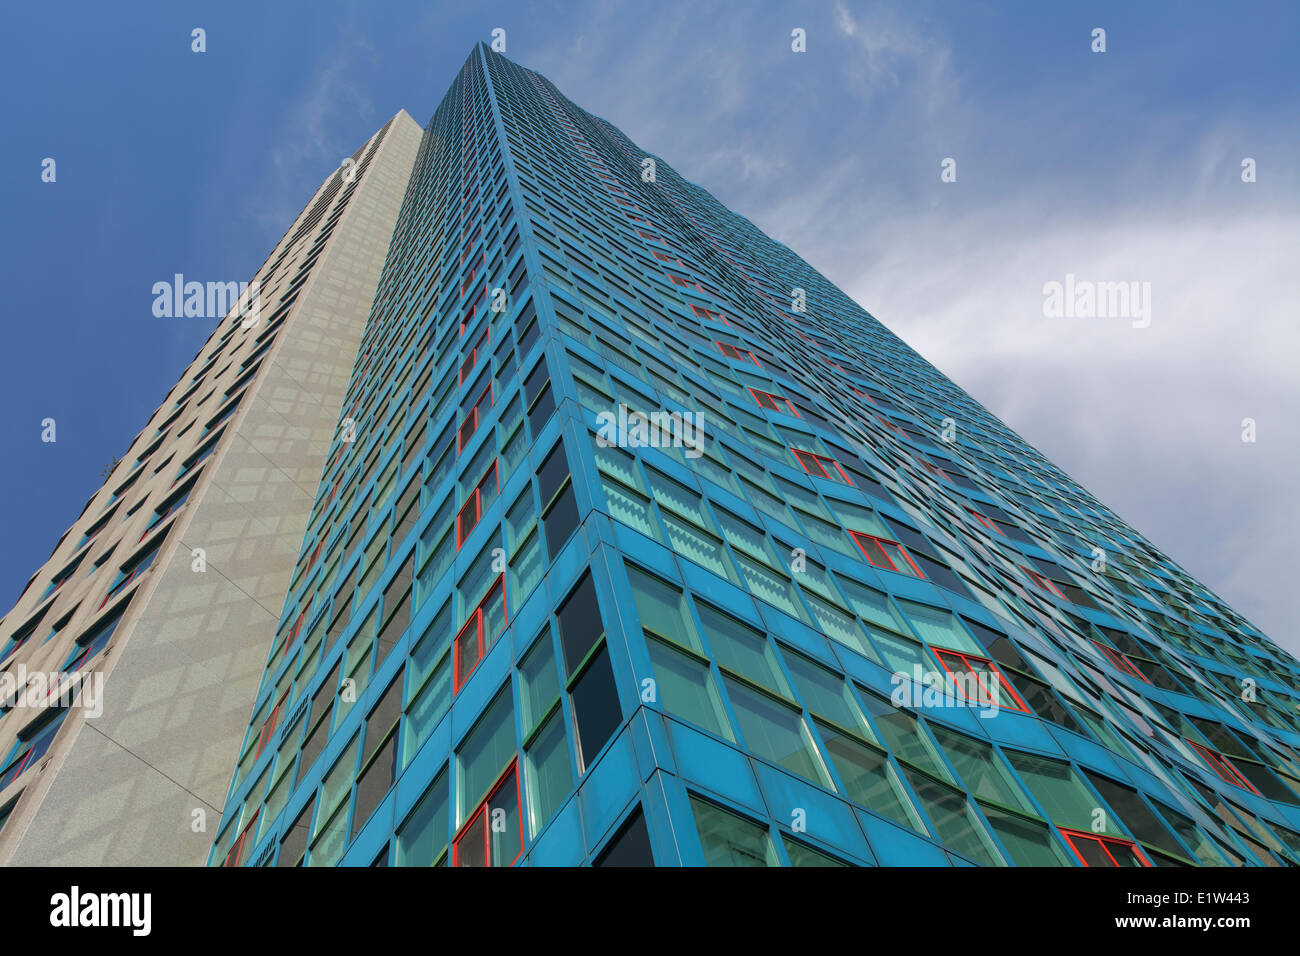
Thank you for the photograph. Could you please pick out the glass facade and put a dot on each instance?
(641, 543)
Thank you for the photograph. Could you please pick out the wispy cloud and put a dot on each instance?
(312, 135)
(894, 54)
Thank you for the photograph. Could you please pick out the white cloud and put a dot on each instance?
(1148, 419)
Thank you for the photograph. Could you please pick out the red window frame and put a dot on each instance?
(311, 562)
(466, 243)
(1224, 767)
(880, 544)
(968, 661)
(268, 728)
(890, 425)
(774, 401)
(472, 630)
(482, 815)
(471, 360)
(471, 418)
(731, 351)
(18, 642)
(472, 309)
(74, 666)
(1044, 583)
(235, 856)
(473, 270)
(117, 588)
(1106, 843)
(933, 468)
(986, 521)
(293, 634)
(815, 465)
(469, 511)
(709, 315)
(59, 582)
(15, 769)
(475, 500)
(1120, 660)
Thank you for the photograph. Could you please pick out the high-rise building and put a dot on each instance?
(637, 541)
(166, 591)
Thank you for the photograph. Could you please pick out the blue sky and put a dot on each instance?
(1119, 166)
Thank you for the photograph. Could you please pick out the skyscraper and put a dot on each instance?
(637, 541)
(166, 590)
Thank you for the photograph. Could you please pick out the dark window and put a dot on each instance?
(95, 640)
(541, 411)
(397, 608)
(1264, 781)
(596, 711)
(21, 635)
(528, 337)
(803, 855)
(773, 403)
(580, 623)
(1013, 532)
(561, 520)
(1076, 594)
(535, 382)
(1136, 815)
(821, 467)
(941, 574)
(915, 541)
(998, 646)
(1044, 703)
(324, 697)
(862, 477)
(374, 782)
(294, 844)
(554, 470)
(630, 846)
(382, 717)
(314, 745)
(33, 742)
